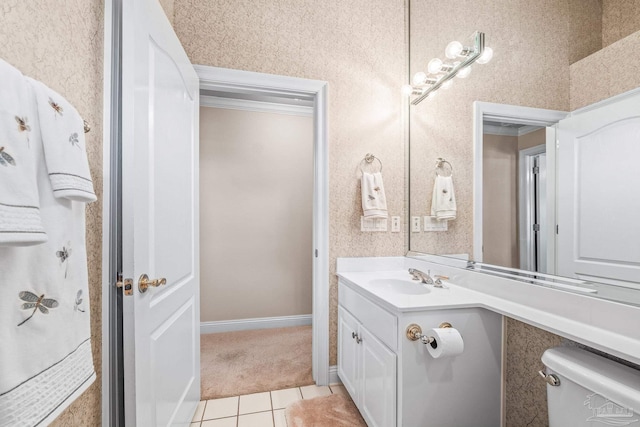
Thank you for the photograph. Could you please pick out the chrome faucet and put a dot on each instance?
(421, 276)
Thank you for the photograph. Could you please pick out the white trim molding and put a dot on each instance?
(256, 323)
(502, 113)
(333, 375)
(292, 88)
(255, 106)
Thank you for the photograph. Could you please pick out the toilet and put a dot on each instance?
(584, 389)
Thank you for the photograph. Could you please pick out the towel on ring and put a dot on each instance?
(374, 201)
(20, 220)
(46, 358)
(64, 146)
(443, 201)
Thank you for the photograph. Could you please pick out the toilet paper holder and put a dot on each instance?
(414, 333)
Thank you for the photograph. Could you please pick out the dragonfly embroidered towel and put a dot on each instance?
(45, 357)
(443, 201)
(374, 201)
(64, 146)
(20, 222)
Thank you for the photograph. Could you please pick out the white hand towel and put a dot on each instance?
(45, 357)
(374, 201)
(65, 154)
(20, 222)
(443, 202)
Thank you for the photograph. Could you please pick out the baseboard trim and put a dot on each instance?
(256, 323)
(333, 375)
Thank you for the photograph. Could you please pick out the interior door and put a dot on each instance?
(160, 99)
(598, 197)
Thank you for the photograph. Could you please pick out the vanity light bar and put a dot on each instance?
(432, 84)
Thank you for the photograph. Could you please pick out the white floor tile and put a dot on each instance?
(261, 419)
(338, 389)
(195, 424)
(221, 408)
(199, 411)
(281, 398)
(221, 422)
(311, 391)
(256, 402)
(279, 418)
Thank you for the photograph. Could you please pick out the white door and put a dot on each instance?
(598, 193)
(160, 95)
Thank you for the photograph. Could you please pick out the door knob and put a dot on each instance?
(144, 282)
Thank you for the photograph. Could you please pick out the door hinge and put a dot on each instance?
(316, 253)
(536, 227)
(125, 284)
(557, 229)
(536, 170)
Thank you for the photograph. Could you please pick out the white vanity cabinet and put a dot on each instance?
(394, 381)
(366, 366)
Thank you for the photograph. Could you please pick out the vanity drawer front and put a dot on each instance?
(377, 320)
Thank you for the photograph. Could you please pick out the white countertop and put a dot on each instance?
(605, 325)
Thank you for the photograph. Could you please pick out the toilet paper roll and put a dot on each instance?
(448, 342)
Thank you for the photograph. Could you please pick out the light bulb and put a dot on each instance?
(447, 84)
(453, 49)
(407, 90)
(419, 78)
(434, 66)
(464, 73)
(486, 56)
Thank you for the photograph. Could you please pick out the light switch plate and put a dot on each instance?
(432, 224)
(415, 224)
(373, 224)
(395, 224)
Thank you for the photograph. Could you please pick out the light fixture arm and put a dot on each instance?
(474, 54)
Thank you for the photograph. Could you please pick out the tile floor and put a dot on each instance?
(258, 409)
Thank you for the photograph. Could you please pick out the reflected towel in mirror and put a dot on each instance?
(443, 201)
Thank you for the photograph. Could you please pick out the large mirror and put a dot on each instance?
(497, 129)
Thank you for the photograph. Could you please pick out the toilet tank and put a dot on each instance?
(593, 390)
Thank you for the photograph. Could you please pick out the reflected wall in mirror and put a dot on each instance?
(547, 55)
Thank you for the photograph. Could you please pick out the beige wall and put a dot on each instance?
(60, 43)
(532, 139)
(606, 73)
(256, 205)
(359, 48)
(620, 18)
(500, 200)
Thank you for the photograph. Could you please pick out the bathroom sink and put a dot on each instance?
(399, 286)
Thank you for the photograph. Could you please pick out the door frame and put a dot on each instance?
(253, 83)
(508, 114)
(525, 198)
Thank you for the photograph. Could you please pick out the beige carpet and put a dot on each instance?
(336, 410)
(244, 362)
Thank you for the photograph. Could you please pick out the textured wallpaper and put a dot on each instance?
(359, 48)
(60, 43)
(620, 18)
(608, 72)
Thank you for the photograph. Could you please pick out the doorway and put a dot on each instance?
(250, 86)
(528, 209)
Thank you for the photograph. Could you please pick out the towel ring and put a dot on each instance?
(369, 159)
(440, 162)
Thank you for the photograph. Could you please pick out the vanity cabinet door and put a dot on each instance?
(378, 375)
(348, 352)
